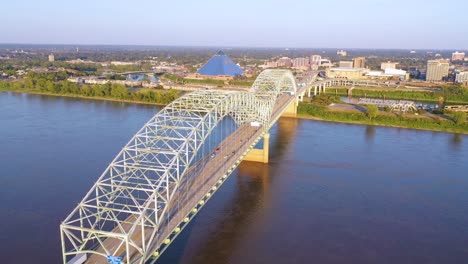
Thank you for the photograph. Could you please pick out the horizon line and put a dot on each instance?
(225, 46)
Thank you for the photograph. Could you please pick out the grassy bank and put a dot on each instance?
(307, 110)
(449, 94)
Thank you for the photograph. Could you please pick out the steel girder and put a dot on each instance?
(127, 208)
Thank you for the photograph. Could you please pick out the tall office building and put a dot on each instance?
(284, 62)
(461, 77)
(315, 59)
(51, 57)
(359, 62)
(458, 56)
(437, 70)
(300, 62)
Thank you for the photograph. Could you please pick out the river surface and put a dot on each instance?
(332, 193)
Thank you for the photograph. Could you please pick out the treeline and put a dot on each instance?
(56, 83)
(409, 95)
(453, 93)
(182, 80)
(398, 120)
(219, 83)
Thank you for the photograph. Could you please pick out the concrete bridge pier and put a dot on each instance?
(291, 110)
(260, 155)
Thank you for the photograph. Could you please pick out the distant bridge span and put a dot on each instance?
(171, 167)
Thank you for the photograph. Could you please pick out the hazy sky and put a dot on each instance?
(411, 24)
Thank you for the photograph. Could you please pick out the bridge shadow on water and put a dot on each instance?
(222, 225)
(219, 227)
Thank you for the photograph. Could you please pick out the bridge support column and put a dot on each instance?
(291, 110)
(260, 155)
(301, 97)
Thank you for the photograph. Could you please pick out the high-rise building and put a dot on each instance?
(388, 65)
(284, 62)
(315, 59)
(458, 56)
(345, 64)
(359, 62)
(300, 62)
(51, 57)
(437, 70)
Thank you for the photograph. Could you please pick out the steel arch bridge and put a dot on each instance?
(169, 169)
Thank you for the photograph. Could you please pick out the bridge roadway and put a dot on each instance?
(202, 177)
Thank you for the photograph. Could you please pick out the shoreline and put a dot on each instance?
(299, 116)
(303, 116)
(96, 98)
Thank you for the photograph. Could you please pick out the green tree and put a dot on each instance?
(86, 90)
(372, 111)
(459, 117)
(118, 91)
(49, 86)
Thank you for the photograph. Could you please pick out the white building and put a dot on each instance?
(284, 62)
(461, 77)
(345, 64)
(325, 63)
(301, 63)
(123, 63)
(315, 59)
(403, 75)
(437, 70)
(342, 53)
(388, 65)
(458, 56)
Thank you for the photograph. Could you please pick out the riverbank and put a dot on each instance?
(322, 113)
(302, 116)
(450, 94)
(307, 111)
(147, 97)
(96, 98)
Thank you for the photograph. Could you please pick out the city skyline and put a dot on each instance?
(334, 24)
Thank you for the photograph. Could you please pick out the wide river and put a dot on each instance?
(332, 193)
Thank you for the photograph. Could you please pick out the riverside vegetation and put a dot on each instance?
(449, 93)
(453, 121)
(57, 84)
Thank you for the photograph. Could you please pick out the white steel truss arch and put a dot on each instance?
(274, 81)
(128, 209)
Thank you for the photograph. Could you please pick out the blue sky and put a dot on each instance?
(408, 24)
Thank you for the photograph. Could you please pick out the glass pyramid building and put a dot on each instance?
(220, 64)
